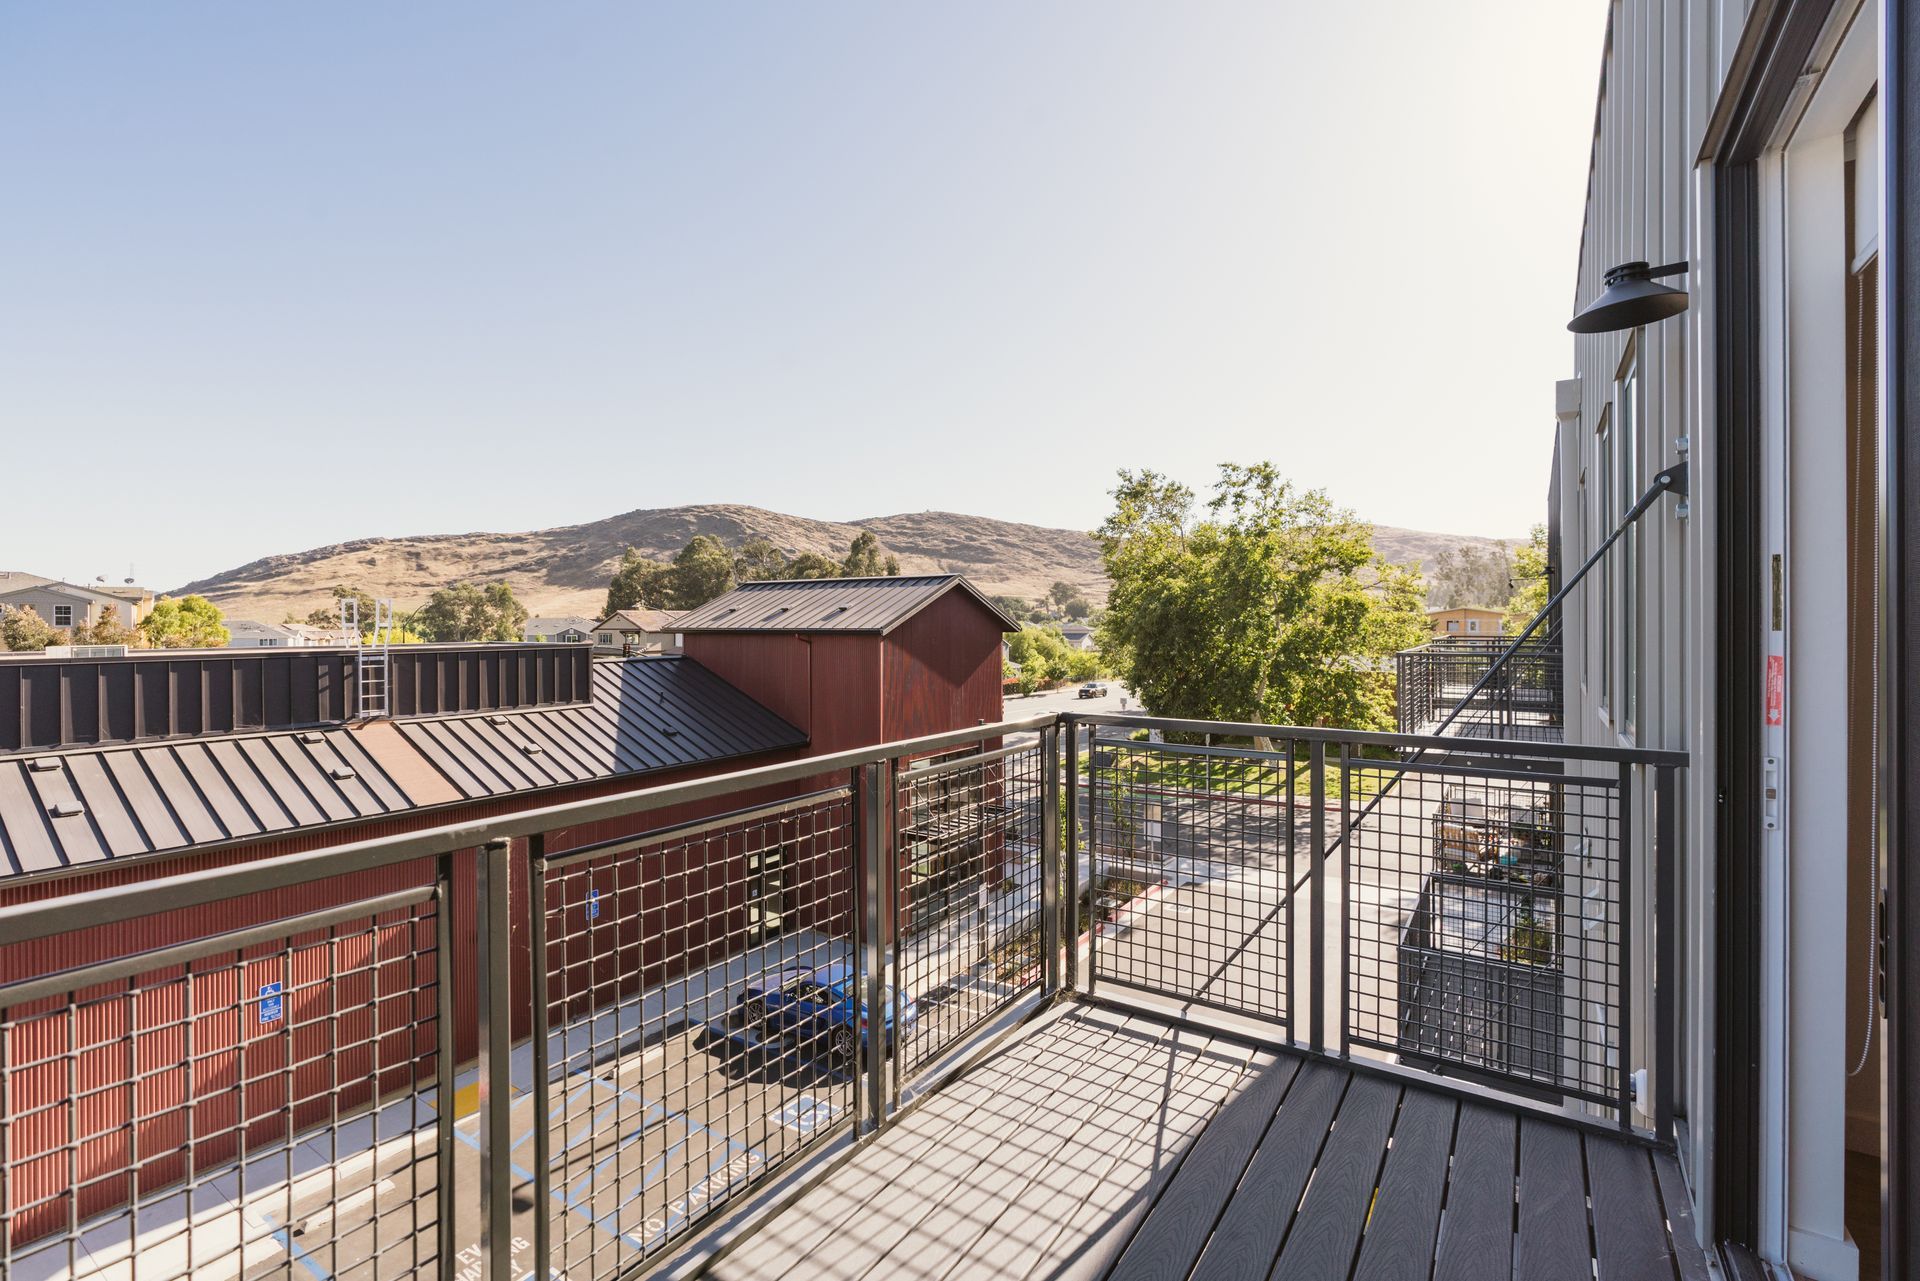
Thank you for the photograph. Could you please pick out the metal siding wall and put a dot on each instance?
(942, 669)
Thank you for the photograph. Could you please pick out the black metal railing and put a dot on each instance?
(1525, 699)
(562, 1042)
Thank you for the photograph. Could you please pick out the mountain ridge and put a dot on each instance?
(564, 570)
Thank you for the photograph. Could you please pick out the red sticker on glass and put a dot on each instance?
(1776, 686)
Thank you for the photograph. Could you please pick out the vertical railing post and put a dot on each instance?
(1666, 977)
(1346, 895)
(1291, 884)
(1070, 852)
(1627, 1001)
(1317, 898)
(1050, 930)
(876, 788)
(542, 1103)
(446, 1058)
(495, 1008)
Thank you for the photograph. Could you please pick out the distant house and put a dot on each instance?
(245, 633)
(564, 631)
(1466, 620)
(248, 634)
(68, 605)
(1079, 635)
(636, 631)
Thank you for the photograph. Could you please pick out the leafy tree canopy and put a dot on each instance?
(190, 622)
(1273, 607)
(107, 630)
(1467, 575)
(705, 569)
(24, 629)
(1042, 657)
(329, 614)
(1529, 580)
(470, 612)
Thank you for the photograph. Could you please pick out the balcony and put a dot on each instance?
(983, 1005)
(1525, 699)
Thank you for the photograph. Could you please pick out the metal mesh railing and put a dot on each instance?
(703, 1023)
(968, 883)
(1482, 923)
(258, 1103)
(1525, 700)
(1191, 852)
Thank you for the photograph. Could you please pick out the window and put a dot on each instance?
(267, 642)
(1473, 624)
(1453, 624)
(63, 616)
(1629, 433)
(606, 638)
(1604, 467)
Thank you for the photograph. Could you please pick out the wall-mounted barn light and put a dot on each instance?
(1631, 298)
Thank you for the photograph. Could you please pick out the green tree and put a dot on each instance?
(1529, 575)
(759, 561)
(1467, 574)
(813, 565)
(106, 630)
(637, 583)
(191, 622)
(24, 629)
(1273, 607)
(469, 612)
(701, 571)
(328, 615)
(865, 561)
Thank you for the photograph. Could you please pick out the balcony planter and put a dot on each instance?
(1479, 978)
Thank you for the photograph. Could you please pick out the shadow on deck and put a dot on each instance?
(1101, 1144)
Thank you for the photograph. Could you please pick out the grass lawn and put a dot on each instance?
(1241, 775)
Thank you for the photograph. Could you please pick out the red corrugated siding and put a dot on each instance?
(942, 669)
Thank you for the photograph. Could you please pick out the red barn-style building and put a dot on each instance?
(127, 768)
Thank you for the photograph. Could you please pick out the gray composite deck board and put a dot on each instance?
(798, 1241)
(1250, 1231)
(1476, 1228)
(1177, 1228)
(1679, 1214)
(1328, 1226)
(1553, 1242)
(1090, 1201)
(1104, 1144)
(1401, 1227)
(1629, 1227)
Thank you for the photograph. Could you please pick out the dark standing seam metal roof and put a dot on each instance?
(647, 714)
(830, 605)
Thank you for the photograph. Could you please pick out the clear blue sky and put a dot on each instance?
(273, 276)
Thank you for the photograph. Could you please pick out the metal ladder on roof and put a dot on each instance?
(371, 649)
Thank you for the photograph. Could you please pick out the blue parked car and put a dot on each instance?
(819, 1009)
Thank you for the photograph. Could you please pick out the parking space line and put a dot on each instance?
(285, 1238)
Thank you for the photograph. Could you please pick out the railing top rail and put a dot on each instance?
(24, 922)
(1373, 738)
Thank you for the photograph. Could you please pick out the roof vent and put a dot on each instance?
(66, 809)
(496, 720)
(775, 614)
(313, 736)
(835, 612)
(44, 764)
(532, 749)
(341, 773)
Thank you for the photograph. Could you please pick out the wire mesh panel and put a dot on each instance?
(263, 1109)
(705, 1025)
(1191, 856)
(1482, 921)
(968, 891)
(1524, 700)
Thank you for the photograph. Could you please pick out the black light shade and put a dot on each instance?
(1631, 298)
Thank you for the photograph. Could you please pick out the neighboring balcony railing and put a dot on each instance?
(667, 1013)
(1526, 699)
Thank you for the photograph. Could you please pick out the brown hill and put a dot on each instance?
(564, 571)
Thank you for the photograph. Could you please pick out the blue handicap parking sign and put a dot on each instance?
(270, 1002)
